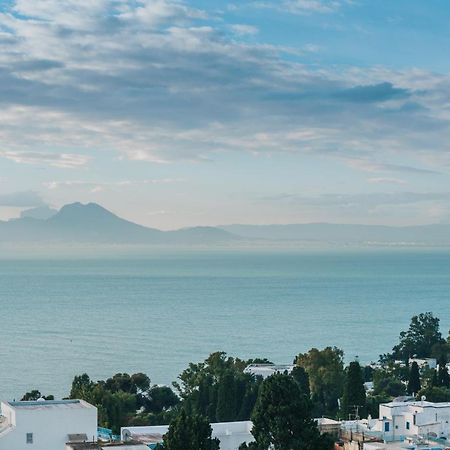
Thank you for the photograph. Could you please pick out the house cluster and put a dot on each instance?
(402, 424)
(72, 425)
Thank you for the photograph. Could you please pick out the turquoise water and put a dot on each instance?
(59, 318)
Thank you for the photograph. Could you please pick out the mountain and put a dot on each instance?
(93, 224)
(343, 234)
(40, 212)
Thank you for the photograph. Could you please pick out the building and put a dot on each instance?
(431, 363)
(414, 418)
(230, 434)
(413, 421)
(266, 370)
(46, 425)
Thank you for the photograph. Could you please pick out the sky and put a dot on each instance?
(206, 112)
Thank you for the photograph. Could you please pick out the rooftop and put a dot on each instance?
(53, 404)
(417, 404)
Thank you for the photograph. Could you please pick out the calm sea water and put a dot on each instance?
(59, 318)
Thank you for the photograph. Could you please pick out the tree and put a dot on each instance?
(414, 384)
(435, 394)
(443, 378)
(282, 418)
(423, 334)
(218, 388)
(226, 398)
(301, 377)
(189, 433)
(36, 395)
(159, 399)
(354, 396)
(325, 369)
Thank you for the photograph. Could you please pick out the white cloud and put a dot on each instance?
(243, 30)
(61, 160)
(156, 81)
(101, 186)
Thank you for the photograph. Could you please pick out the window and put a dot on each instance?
(386, 427)
(408, 426)
(29, 438)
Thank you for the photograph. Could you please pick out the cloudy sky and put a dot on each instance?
(176, 113)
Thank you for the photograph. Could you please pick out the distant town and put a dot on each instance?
(316, 402)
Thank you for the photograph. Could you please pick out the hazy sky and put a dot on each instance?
(176, 113)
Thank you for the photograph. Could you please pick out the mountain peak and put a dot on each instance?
(79, 210)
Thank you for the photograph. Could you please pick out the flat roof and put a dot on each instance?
(44, 404)
(417, 404)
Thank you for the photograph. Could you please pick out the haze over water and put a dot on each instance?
(156, 314)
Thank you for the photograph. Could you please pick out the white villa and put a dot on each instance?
(266, 370)
(46, 425)
(406, 420)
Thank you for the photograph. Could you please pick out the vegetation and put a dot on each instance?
(283, 405)
(189, 432)
(414, 384)
(119, 398)
(325, 369)
(354, 397)
(218, 388)
(282, 418)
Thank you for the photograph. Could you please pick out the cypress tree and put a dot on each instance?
(354, 391)
(414, 384)
(443, 376)
(226, 398)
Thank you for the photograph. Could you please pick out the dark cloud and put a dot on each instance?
(380, 92)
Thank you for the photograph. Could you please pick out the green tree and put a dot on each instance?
(325, 369)
(218, 386)
(301, 377)
(442, 375)
(226, 398)
(423, 334)
(159, 399)
(189, 433)
(414, 384)
(435, 394)
(282, 418)
(354, 397)
(36, 395)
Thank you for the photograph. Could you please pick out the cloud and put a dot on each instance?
(381, 180)
(380, 92)
(61, 160)
(301, 7)
(160, 81)
(101, 186)
(23, 199)
(243, 30)
(375, 167)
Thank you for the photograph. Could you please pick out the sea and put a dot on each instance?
(156, 313)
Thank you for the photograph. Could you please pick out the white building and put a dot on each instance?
(415, 421)
(266, 370)
(230, 434)
(424, 362)
(46, 425)
(414, 418)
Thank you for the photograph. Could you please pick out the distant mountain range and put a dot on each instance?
(92, 224)
(327, 233)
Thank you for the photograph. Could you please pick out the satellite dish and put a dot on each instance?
(126, 435)
(423, 398)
